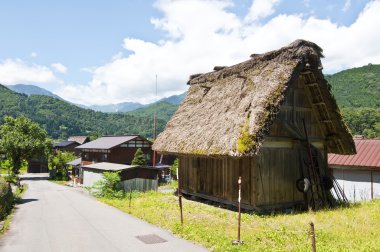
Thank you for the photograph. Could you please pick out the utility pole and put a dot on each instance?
(155, 127)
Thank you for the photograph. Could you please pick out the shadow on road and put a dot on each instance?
(34, 176)
(24, 201)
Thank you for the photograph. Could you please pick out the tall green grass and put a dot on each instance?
(355, 228)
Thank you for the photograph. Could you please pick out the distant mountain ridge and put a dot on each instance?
(117, 108)
(32, 90)
(132, 106)
(108, 108)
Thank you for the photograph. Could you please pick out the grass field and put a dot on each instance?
(355, 228)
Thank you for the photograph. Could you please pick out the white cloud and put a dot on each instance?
(261, 9)
(59, 67)
(203, 33)
(33, 54)
(13, 71)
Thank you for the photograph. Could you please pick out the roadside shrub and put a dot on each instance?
(6, 198)
(108, 186)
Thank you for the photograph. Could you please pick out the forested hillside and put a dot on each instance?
(164, 110)
(62, 119)
(357, 92)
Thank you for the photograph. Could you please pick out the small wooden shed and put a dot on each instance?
(247, 120)
(133, 177)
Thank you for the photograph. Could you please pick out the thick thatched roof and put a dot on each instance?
(238, 104)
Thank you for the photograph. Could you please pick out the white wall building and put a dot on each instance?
(359, 174)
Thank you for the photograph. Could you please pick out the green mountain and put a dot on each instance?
(164, 110)
(62, 119)
(357, 92)
(32, 90)
(357, 87)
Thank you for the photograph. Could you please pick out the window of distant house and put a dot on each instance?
(104, 157)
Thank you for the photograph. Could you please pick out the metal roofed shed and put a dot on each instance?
(359, 175)
(133, 177)
(75, 162)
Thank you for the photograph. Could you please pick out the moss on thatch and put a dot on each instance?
(229, 111)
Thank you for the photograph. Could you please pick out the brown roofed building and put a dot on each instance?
(68, 146)
(115, 149)
(247, 120)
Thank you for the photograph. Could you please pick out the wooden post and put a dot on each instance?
(239, 200)
(312, 235)
(238, 241)
(130, 196)
(179, 197)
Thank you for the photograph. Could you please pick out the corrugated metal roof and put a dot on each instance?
(75, 162)
(63, 143)
(107, 142)
(105, 166)
(368, 155)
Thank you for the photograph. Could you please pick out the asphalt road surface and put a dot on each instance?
(53, 217)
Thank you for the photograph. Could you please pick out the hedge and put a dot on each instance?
(6, 198)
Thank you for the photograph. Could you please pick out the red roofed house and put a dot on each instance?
(359, 175)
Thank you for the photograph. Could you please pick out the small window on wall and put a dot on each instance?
(86, 156)
(104, 157)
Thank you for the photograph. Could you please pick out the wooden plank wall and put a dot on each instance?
(141, 185)
(218, 177)
(277, 173)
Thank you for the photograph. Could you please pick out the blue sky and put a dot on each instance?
(101, 52)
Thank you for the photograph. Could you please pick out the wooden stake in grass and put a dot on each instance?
(179, 198)
(312, 235)
(238, 241)
(130, 196)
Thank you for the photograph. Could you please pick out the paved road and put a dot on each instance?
(59, 218)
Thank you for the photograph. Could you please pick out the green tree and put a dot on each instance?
(139, 158)
(21, 139)
(58, 164)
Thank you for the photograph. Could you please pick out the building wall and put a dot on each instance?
(146, 179)
(139, 184)
(358, 185)
(91, 176)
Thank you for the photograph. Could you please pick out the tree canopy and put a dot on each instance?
(139, 158)
(21, 139)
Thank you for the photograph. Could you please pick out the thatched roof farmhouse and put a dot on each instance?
(254, 111)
